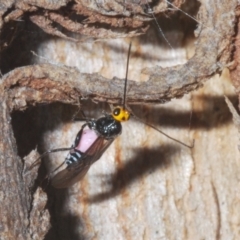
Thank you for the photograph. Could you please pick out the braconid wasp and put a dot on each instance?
(93, 139)
(164, 198)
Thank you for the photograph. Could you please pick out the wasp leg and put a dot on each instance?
(38, 160)
(160, 131)
(83, 118)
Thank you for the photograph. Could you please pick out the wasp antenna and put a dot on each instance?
(163, 133)
(126, 77)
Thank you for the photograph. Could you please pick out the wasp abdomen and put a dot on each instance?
(88, 137)
(73, 157)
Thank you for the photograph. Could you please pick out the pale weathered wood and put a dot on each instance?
(145, 186)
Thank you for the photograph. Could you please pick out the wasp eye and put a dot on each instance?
(116, 111)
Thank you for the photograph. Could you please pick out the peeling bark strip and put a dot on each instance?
(213, 50)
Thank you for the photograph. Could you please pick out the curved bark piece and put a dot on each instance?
(15, 197)
(211, 56)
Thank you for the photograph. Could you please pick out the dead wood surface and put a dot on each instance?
(21, 208)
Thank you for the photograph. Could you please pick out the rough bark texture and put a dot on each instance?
(163, 84)
(13, 192)
(235, 73)
(154, 193)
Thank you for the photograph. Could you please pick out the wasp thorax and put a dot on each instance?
(120, 114)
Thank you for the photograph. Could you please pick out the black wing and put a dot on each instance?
(76, 171)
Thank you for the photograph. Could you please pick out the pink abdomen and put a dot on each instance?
(88, 137)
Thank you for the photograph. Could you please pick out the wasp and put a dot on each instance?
(93, 139)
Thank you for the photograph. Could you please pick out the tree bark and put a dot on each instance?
(15, 202)
(145, 186)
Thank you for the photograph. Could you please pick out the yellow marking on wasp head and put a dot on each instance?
(120, 114)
